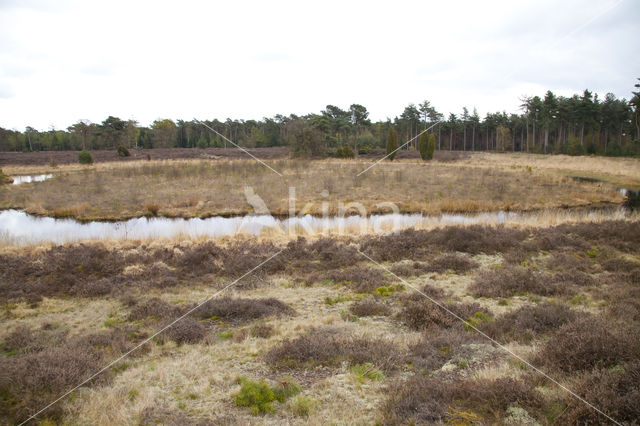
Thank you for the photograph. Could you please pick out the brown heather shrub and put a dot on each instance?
(618, 264)
(200, 259)
(330, 347)
(616, 391)
(417, 244)
(369, 307)
(187, 330)
(413, 269)
(569, 262)
(590, 342)
(452, 261)
(333, 254)
(31, 380)
(438, 346)
(242, 257)
(429, 400)
(155, 308)
(478, 239)
(620, 234)
(528, 322)
(239, 309)
(565, 282)
(423, 314)
(23, 339)
(361, 279)
(514, 280)
(406, 244)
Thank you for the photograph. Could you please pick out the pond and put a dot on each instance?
(17, 180)
(20, 228)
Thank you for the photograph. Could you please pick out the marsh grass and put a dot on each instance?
(191, 188)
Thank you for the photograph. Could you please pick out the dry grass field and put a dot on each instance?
(322, 335)
(202, 188)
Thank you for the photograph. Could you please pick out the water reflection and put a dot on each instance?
(17, 180)
(20, 228)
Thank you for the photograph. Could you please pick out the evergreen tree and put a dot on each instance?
(392, 142)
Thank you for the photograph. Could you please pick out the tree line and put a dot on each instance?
(580, 124)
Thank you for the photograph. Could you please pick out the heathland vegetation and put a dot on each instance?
(321, 334)
(576, 125)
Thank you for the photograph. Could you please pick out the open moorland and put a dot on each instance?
(466, 183)
(382, 330)
(518, 324)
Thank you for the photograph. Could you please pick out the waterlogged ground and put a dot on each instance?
(333, 330)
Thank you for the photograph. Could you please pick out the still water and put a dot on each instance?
(20, 228)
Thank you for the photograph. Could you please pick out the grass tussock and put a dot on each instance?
(361, 279)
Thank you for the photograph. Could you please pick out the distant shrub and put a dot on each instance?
(369, 307)
(392, 142)
(257, 396)
(84, 157)
(426, 145)
(123, 152)
(345, 151)
(527, 322)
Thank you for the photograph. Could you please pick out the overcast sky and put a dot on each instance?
(62, 61)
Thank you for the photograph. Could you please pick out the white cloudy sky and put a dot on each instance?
(65, 60)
